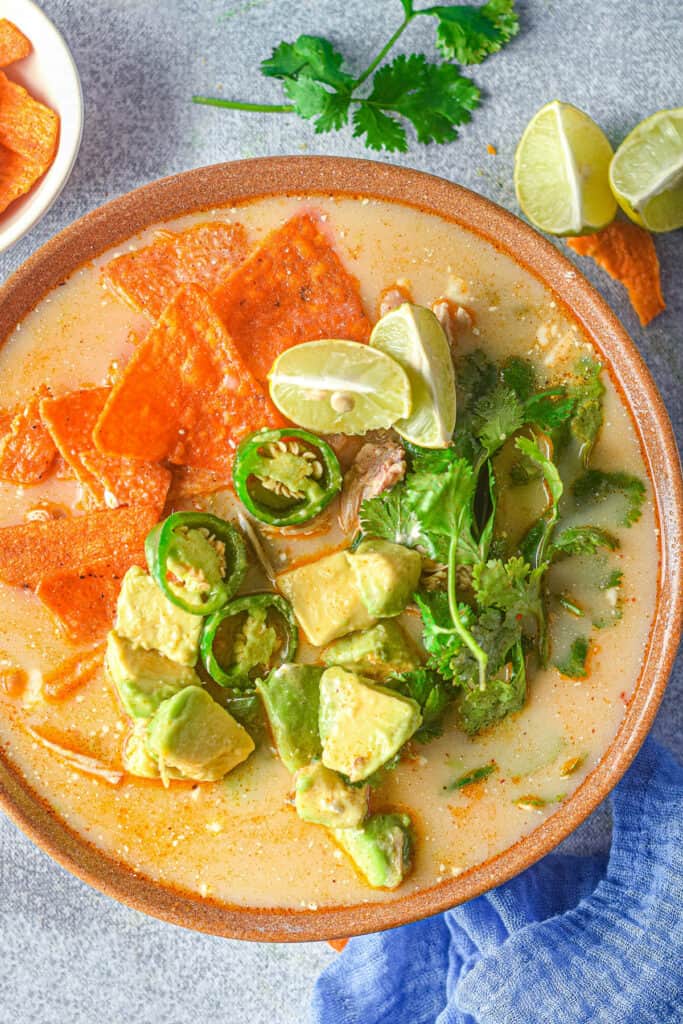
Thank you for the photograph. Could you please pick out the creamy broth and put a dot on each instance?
(240, 841)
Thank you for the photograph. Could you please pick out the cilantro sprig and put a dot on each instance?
(435, 98)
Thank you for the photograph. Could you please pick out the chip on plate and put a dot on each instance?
(14, 45)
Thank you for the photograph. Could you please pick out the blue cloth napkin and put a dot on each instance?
(573, 940)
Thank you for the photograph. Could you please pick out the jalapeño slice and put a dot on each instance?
(285, 476)
(247, 638)
(197, 559)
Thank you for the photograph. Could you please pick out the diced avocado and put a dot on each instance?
(382, 849)
(379, 652)
(139, 760)
(362, 726)
(144, 678)
(137, 757)
(325, 598)
(386, 575)
(193, 734)
(149, 620)
(322, 797)
(291, 695)
(196, 559)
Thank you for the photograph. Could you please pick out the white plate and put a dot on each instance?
(50, 74)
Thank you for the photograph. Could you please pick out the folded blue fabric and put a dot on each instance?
(573, 940)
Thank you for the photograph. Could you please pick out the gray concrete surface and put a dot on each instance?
(70, 954)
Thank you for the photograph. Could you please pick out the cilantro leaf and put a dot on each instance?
(582, 540)
(497, 415)
(429, 460)
(512, 586)
(587, 393)
(469, 34)
(312, 57)
(520, 377)
(431, 693)
(549, 409)
(379, 130)
(435, 98)
(478, 709)
(595, 485)
(311, 99)
(574, 664)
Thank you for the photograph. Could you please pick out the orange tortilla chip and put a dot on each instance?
(186, 395)
(17, 176)
(293, 289)
(32, 551)
(627, 252)
(13, 43)
(128, 481)
(189, 481)
(111, 480)
(203, 255)
(26, 126)
(84, 601)
(72, 673)
(27, 452)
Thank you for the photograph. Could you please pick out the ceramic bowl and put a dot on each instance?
(225, 184)
(50, 74)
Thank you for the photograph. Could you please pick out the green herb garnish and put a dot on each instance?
(595, 485)
(476, 775)
(574, 665)
(435, 98)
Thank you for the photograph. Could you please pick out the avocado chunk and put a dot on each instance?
(291, 695)
(322, 797)
(378, 653)
(361, 725)
(149, 620)
(325, 598)
(382, 849)
(138, 759)
(386, 576)
(193, 734)
(144, 678)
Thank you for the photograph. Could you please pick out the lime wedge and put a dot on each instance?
(561, 172)
(413, 336)
(339, 387)
(646, 173)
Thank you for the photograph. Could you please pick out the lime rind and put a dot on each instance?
(337, 386)
(413, 336)
(561, 172)
(646, 172)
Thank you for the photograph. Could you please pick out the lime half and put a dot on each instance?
(561, 172)
(339, 387)
(646, 173)
(413, 336)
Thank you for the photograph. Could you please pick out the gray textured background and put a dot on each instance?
(70, 954)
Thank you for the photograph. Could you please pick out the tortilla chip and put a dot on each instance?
(83, 601)
(13, 43)
(627, 252)
(186, 395)
(27, 452)
(293, 289)
(73, 673)
(17, 176)
(128, 481)
(32, 551)
(110, 480)
(189, 481)
(203, 255)
(26, 126)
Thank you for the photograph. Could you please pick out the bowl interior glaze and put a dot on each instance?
(229, 183)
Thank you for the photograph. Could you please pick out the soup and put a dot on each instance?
(479, 780)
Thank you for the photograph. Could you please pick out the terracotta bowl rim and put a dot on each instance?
(231, 183)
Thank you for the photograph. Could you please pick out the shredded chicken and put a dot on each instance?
(453, 318)
(379, 465)
(393, 297)
(345, 447)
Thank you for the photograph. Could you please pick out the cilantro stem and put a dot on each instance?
(460, 627)
(384, 51)
(262, 108)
